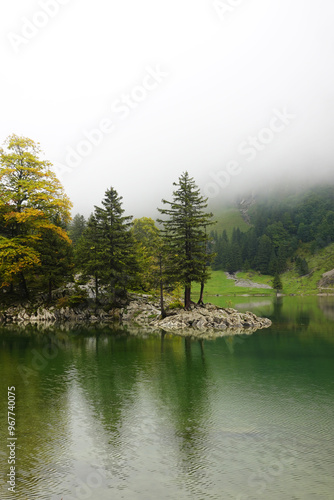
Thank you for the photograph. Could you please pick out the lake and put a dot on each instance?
(102, 414)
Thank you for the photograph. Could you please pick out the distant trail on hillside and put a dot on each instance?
(246, 283)
(244, 205)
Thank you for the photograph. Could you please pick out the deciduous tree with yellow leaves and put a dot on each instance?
(33, 204)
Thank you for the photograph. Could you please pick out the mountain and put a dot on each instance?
(270, 232)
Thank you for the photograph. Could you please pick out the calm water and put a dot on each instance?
(104, 415)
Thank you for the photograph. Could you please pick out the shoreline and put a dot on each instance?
(142, 312)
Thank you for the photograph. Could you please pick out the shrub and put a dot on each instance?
(176, 304)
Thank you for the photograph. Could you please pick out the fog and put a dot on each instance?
(132, 94)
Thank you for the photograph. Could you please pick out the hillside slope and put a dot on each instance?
(319, 279)
(228, 219)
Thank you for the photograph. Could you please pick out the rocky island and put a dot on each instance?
(142, 311)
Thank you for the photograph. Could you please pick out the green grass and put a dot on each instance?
(262, 279)
(319, 263)
(229, 219)
(220, 285)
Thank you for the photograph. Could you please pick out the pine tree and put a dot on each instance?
(263, 254)
(185, 235)
(76, 227)
(273, 263)
(224, 250)
(277, 283)
(107, 247)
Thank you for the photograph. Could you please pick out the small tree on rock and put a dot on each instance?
(185, 236)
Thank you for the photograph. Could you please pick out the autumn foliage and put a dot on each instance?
(33, 206)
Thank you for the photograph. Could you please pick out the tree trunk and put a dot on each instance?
(162, 309)
(96, 288)
(201, 343)
(23, 284)
(200, 300)
(50, 290)
(187, 345)
(163, 333)
(113, 290)
(187, 300)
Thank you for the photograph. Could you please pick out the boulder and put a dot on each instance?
(327, 280)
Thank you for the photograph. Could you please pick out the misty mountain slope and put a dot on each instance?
(267, 232)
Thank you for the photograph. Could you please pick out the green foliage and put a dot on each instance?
(106, 252)
(301, 266)
(145, 231)
(185, 235)
(307, 215)
(76, 227)
(148, 247)
(36, 254)
(79, 298)
(56, 256)
(175, 304)
(277, 283)
(280, 224)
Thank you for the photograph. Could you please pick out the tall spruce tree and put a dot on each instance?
(185, 235)
(109, 247)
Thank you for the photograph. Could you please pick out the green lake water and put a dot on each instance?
(103, 415)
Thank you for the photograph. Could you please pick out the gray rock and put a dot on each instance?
(202, 321)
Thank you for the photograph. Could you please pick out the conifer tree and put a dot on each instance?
(185, 235)
(76, 227)
(263, 254)
(107, 247)
(277, 283)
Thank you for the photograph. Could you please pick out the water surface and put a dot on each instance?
(102, 414)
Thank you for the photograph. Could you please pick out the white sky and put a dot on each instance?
(224, 77)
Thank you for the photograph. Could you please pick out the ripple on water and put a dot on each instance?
(149, 425)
